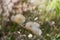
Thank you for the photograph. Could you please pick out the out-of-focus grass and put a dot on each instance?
(49, 32)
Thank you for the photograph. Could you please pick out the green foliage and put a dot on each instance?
(54, 5)
(58, 37)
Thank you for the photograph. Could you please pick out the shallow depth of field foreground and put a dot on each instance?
(29, 19)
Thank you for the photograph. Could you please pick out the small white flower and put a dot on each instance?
(48, 34)
(53, 23)
(36, 18)
(18, 32)
(30, 35)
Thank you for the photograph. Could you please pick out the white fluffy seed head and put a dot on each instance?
(19, 18)
(32, 24)
(36, 24)
(29, 25)
(36, 31)
(34, 27)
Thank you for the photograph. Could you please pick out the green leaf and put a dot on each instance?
(58, 37)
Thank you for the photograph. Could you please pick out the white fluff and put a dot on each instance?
(34, 27)
(19, 18)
